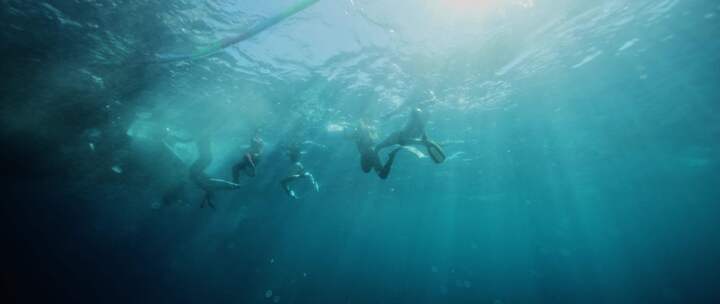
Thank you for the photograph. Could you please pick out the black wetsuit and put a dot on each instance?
(369, 159)
(411, 134)
(200, 179)
(297, 171)
(249, 162)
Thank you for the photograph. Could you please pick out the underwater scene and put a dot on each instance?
(360, 151)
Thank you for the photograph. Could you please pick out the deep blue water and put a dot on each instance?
(582, 144)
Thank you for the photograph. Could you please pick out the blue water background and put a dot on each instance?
(582, 135)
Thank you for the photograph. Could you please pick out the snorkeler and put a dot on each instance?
(414, 134)
(198, 176)
(250, 159)
(297, 171)
(365, 137)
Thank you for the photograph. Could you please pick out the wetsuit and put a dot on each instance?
(249, 162)
(200, 179)
(297, 171)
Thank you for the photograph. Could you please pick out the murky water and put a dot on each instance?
(581, 144)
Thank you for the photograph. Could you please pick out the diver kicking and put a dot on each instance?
(198, 176)
(365, 137)
(414, 134)
(297, 171)
(250, 159)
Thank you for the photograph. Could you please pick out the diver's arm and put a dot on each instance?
(252, 165)
(250, 160)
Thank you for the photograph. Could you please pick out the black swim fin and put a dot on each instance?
(383, 174)
(434, 150)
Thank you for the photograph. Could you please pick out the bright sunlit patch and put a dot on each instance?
(455, 11)
(474, 6)
(525, 3)
(333, 128)
(467, 5)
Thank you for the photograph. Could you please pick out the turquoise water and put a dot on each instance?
(582, 144)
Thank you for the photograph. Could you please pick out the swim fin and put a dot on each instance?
(383, 174)
(434, 150)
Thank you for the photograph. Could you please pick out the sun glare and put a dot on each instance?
(465, 5)
(463, 11)
(469, 6)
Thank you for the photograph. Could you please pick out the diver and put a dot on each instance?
(413, 133)
(297, 170)
(365, 137)
(250, 159)
(204, 182)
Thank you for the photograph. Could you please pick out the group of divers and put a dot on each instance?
(363, 134)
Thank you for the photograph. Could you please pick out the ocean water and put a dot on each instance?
(582, 143)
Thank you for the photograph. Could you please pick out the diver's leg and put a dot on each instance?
(366, 163)
(285, 183)
(236, 170)
(393, 139)
(313, 181)
(375, 162)
(383, 174)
